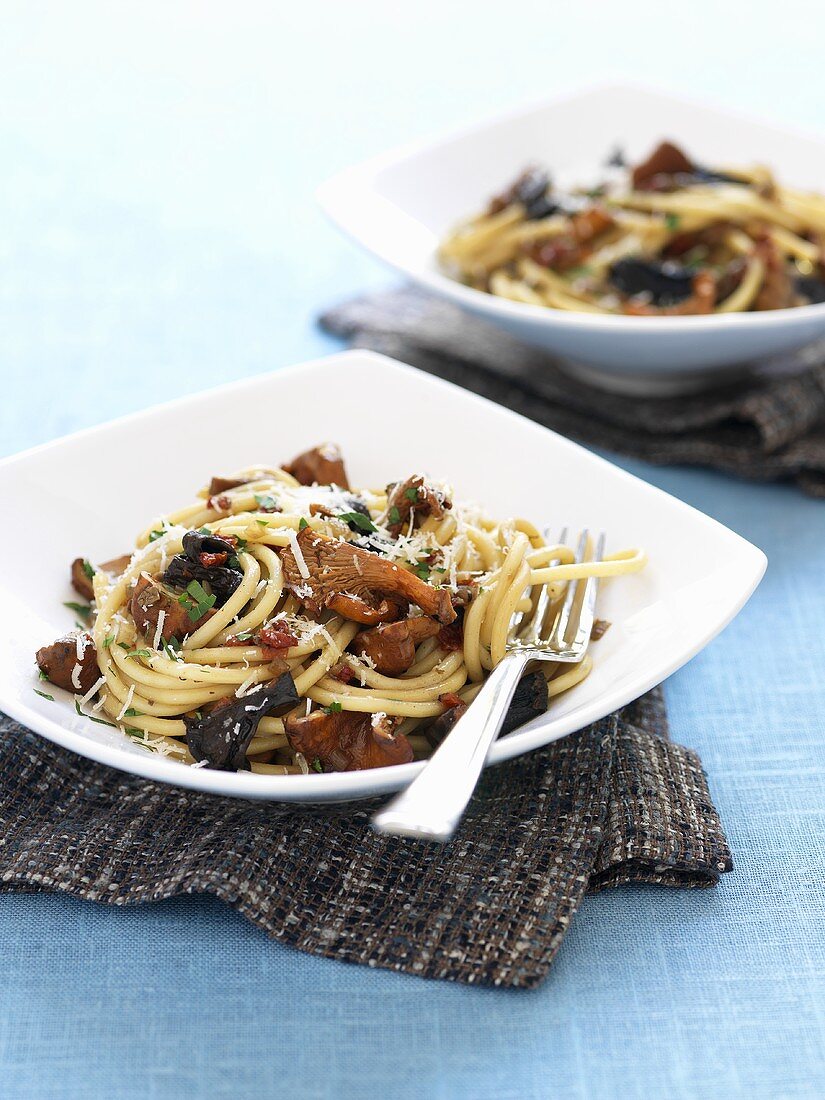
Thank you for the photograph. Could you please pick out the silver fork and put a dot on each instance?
(432, 806)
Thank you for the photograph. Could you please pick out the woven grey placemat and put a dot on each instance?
(765, 428)
(615, 803)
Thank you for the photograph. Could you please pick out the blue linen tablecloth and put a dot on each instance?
(158, 236)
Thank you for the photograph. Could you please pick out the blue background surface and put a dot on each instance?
(158, 236)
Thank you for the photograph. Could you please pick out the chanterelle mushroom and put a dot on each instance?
(391, 646)
(347, 741)
(356, 583)
(322, 465)
(414, 498)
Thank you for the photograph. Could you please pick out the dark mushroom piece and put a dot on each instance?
(391, 646)
(811, 288)
(665, 283)
(529, 701)
(532, 190)
(70, 662)
(81, 567)
(222, 737)
(413, 499)
(321, 465)
(149, 598)
(209, 559)
(356, 583)
(347, 741)
(702, 299)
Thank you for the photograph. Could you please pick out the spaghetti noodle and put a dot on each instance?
(674, 238)
(310, 626)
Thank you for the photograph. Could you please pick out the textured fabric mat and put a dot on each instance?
(760, 427)
(615, 803)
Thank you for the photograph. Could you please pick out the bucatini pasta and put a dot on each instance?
(666, 238)
(286, 622)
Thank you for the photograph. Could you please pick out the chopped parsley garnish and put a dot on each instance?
(302, 523)
(42, 675)
(107, 641)
(359, 520)
(672, 221)
(99, 721)
(88, 568)
(138, 652)
(266, 502)
(244, 635)
(78, 608)
(316, 765)
(124, 645)
(43, 695)
(134, 733)
(411, 494)
(232, 562)
(132, 713)
(394, 515)
(263, 522)
(240, 546)
(333, 708)
(158, 533)
(421, 568)
(196, 600)
(171, 648)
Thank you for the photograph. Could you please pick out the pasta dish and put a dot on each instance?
(286, 622)
(668, 237)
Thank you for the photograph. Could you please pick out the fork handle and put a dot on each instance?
(431, 807)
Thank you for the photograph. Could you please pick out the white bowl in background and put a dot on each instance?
(400, 204)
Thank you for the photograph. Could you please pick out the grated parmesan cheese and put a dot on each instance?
(159, 630)
(127, 703)
(300, 561)
(98, 684)
(76, 677)
(249, 685)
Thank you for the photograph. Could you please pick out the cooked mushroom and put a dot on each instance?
(222, 737)
(348, 741)
(664, 283)
(571, 249)
(220, 485)
(777, 290)
(206, 558)
(811, 288)
(70, 662)
(391, 646)
(529, 701)
(666, 160)
(702, 299)
(83, 571)
(150, 597)
(357, 583)
(531, 189)
(322, 465)
(413, 498)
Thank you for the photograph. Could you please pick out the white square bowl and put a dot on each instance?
(90, 493)
(400, 204)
